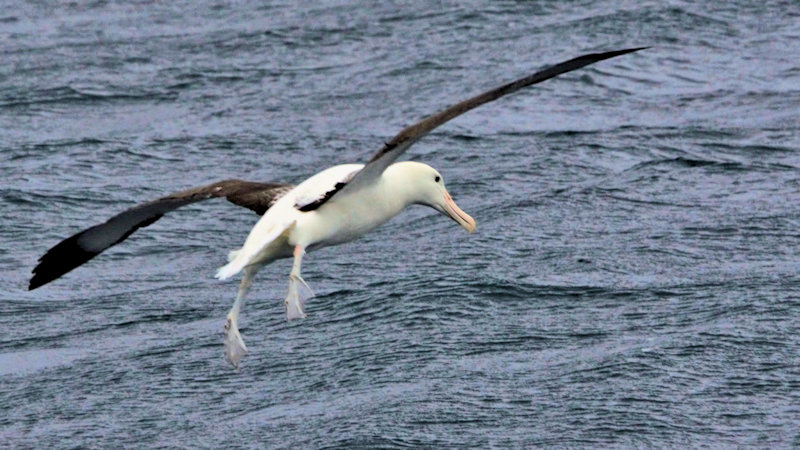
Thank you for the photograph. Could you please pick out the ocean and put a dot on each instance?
(634, 280)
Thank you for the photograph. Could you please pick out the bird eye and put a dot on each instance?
(437, 179)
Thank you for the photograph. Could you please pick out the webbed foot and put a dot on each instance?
(296, 298)
(234, 345)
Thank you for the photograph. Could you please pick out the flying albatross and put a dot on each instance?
(337, 205)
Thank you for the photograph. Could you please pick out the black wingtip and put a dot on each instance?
(607, 55)
(635, 49)
(564, 67)
(59, 260)
(69, 254)
(36, 282)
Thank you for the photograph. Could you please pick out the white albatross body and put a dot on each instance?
(286, 230)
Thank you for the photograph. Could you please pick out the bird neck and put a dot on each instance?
(399, 188)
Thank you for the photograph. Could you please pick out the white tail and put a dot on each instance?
(232, 268)
(253, 247)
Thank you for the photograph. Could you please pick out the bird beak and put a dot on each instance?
(454, 212)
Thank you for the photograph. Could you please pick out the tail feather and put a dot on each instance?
(230, 269)
(249, 254)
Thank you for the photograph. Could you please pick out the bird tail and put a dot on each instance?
(230, 269)
(256, 250)
(233, 267)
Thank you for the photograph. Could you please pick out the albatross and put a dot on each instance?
(335, 206)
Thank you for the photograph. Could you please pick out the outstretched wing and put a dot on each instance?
(411, 134)
(85, 245)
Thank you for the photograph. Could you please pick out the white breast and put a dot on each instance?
(347, 217)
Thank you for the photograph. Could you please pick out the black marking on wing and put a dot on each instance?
(85, 245)
(321, 201)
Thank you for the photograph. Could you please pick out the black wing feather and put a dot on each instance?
(85, 245)
(412, 133)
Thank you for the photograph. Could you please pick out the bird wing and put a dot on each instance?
(412, 133)
(312, 194)
(85, 245)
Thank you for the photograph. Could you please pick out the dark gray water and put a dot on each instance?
(633, 280)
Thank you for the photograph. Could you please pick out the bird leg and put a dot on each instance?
(234, 345)
(299, 291)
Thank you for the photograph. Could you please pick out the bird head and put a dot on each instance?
(425, 186)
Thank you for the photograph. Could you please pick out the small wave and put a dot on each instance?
(643, 201)
(73, 95)
(680, 161)
(37, 150)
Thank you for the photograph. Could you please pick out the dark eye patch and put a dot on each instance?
(437, 179)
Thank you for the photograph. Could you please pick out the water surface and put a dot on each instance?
(633, 280)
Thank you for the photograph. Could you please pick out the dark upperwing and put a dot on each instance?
(412, 133)
(85, 245)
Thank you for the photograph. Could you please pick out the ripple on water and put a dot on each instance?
(632, 281)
